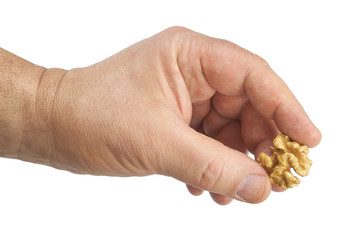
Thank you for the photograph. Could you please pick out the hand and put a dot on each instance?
(179, 104)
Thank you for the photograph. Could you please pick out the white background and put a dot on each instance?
(308, 43)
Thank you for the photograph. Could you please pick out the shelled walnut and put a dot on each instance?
(286, 154)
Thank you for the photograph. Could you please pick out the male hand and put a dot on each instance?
(179, 104)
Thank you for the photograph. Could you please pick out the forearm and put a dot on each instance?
(26, 94)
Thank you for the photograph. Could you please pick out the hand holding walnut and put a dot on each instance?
(179, 104)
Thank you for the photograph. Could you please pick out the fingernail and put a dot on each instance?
(251, 188)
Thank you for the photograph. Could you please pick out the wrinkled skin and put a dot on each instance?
(179, 104)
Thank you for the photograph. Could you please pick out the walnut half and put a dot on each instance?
(286, 154)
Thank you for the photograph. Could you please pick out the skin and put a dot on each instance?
(180, 104)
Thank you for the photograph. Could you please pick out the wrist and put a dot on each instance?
(17, 89)
(37, 141)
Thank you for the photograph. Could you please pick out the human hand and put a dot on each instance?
(179, 104)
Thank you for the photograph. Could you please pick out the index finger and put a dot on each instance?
(209, 64)
(232, 70)
(271, 97)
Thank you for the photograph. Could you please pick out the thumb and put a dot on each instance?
(205, 163)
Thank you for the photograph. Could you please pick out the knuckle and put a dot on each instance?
(172, 38)
(261, 61)
(211, 175)
(176, 33)
(177, 29)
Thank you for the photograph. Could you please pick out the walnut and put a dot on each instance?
(286, 154)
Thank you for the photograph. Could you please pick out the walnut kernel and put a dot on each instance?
(286, 154)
